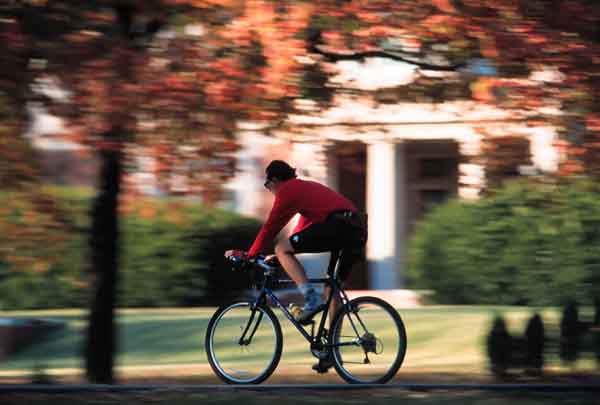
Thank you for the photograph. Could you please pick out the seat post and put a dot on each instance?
(334, 262)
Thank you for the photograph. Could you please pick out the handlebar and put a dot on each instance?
(244, 263)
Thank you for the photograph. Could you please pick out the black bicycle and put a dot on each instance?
(366, 340)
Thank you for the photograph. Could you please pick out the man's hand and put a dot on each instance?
(235, 252)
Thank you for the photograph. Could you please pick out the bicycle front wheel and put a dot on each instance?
(243, 344)
(369, 341)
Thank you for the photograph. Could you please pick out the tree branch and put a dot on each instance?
(361, 56)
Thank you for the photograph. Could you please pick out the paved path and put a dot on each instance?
(73, 388)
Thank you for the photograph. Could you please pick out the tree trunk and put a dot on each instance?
(104, 247)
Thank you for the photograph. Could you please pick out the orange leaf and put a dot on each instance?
(444, 5)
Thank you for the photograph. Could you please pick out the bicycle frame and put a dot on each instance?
(266, 292)
(335, 290)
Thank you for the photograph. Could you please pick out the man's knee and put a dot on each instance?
(283, 247)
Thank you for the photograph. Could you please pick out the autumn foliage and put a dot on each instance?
(194, 68)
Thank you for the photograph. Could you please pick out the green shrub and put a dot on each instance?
(499, 347)
(524, 352)
(529, 243)
(596, 330)
(171, 255)
(222, 283)
(62, 284)
(535, 342)
(169, 264)
(570, 334)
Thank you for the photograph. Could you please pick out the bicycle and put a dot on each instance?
(244, 341)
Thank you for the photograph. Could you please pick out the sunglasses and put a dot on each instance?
(267, 183)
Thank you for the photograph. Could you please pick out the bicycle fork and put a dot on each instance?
(243, 340)
(366, 340)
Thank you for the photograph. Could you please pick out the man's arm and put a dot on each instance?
(282, 211)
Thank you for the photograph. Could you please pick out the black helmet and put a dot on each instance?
(280, 170)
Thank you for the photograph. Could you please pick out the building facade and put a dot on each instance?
(395, 163)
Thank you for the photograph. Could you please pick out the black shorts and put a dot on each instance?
(332, 235)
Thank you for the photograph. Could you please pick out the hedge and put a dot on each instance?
(530, 243)
(164, 264)
(171, 255)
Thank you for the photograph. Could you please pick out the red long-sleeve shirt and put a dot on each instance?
(312, 200)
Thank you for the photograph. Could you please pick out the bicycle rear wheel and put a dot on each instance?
(369, 341)
(243, 345)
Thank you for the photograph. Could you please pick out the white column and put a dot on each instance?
(385, 207)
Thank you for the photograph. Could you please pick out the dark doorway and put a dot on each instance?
(431, 176)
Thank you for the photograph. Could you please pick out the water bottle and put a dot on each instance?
(295, 310)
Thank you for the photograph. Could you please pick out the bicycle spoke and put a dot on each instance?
(369, 343)
(243, 345)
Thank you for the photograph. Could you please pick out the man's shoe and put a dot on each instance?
(313, 303)
(308, 314)
(323, 365)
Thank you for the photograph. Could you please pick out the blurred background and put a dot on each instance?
(134, 136)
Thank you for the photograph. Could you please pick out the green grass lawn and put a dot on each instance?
(441, 339)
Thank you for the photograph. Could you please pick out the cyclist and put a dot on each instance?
(328, 221)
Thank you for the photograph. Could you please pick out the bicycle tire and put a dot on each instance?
(369, 372)
(272, 345)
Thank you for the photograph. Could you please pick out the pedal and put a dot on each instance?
(306, 322)
(308, 319)
(323, 366)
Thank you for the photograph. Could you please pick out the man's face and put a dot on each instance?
(270, 185)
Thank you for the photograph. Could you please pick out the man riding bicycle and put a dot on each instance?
(328, 222)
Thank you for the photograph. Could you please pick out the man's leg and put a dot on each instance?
(285, 253)
(323, 365)
(333, 307)
(312, 299)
